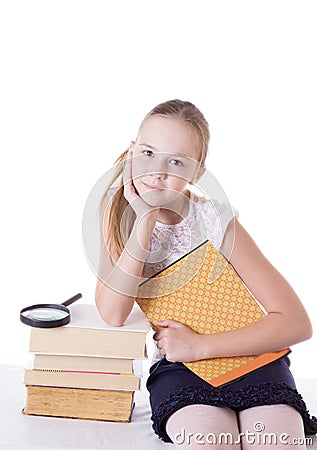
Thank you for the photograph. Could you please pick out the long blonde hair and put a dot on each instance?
(177, 109)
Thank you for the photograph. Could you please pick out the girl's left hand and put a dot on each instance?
(177, 342)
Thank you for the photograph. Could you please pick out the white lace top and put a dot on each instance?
(206, 219)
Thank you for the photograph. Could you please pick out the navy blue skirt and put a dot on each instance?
(173, 386)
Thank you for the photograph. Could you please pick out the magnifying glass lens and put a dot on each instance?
(46, 314)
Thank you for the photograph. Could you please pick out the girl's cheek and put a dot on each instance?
(140, 167)
(177, 185)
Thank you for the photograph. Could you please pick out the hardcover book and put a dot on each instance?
(93, 404)
(203, 291)
(89, 380)
(47, 361)
(88, 335)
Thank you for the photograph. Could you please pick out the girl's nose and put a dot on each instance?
(159, 175)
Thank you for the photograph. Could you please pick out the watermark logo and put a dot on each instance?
(256, 437)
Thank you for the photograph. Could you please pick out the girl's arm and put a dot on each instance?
(119, 276)
(286, 323)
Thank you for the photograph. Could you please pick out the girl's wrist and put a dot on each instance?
(143, 230)
(147, 221)
(205, 347)
(139, 240)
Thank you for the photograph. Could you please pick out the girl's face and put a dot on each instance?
(165, 160)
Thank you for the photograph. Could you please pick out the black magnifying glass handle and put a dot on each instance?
(72, 300)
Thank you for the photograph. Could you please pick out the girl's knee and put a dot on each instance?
(271, 426)
(204, 426)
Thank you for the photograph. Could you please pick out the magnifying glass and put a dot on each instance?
(48, 315)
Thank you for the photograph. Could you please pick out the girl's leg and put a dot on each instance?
(204, 426)
(271, 427)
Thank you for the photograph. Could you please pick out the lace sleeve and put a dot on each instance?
(216, 216)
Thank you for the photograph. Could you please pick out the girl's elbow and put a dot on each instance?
(305, 329)
(110, 319)
(108, 315)
(308, 330)
(113, 322)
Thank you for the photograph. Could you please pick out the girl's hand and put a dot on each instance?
(140, 207)
(177, 342)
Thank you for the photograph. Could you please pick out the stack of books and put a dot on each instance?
(86, 369)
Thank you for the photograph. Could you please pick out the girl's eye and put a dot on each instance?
(176, 162)
(147, 152)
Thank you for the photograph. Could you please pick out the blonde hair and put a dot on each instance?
(178, 109)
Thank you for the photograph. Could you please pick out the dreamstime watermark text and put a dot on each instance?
(256, 437)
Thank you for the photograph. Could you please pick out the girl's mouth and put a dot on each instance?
(152, 188)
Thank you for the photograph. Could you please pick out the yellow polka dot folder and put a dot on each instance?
(203, 291)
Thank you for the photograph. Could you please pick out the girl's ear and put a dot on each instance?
(131, 145)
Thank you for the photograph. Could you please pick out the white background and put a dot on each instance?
(77, 77)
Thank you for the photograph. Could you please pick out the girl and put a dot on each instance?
(152, 218)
